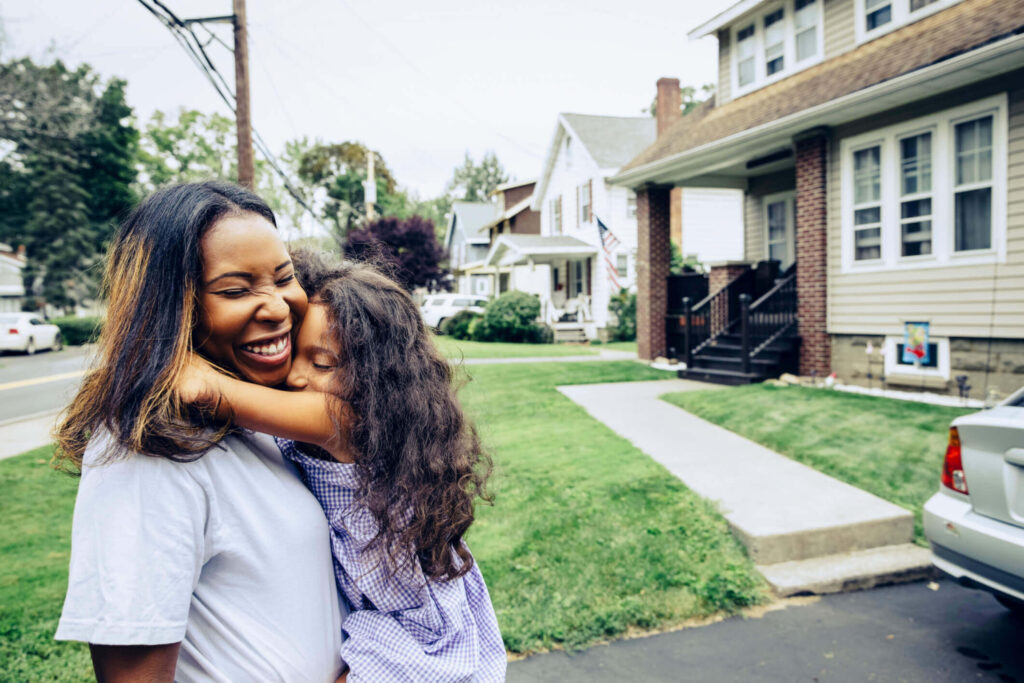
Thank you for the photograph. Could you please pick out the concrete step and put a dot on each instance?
(855, 570)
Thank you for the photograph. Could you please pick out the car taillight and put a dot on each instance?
(13, 330)
(953, 467)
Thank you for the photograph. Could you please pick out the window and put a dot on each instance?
(745, 55)
(631, 205)
(774, 42)
(938, 364)
(585, 215)
(556, 216)
(779, 228)
(915, 195)
(927, 192)
(867, 203)
(578, 285)
(622, 265)
(878, 17)
(973, 184)
(877, 13)
(785, 37)
(806, 21)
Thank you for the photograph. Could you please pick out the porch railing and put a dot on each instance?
(713, 316)
(767, 319)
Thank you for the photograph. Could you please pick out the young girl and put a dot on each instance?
(382, 442)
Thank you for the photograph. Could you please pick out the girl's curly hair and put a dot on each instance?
(419, 457)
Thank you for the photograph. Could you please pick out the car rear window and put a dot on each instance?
(1017, 402)
(463, 302)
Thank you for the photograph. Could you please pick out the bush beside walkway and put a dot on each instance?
(893, 449)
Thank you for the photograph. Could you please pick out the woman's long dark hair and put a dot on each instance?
(420, 459)
(154, 269)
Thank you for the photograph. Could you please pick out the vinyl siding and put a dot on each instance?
(959, 301)
(840, 32)
(724, 92)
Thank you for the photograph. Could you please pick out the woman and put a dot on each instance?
(185, 567)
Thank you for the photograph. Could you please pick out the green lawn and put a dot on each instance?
(454, 348)
(588, 537)
(894, 449)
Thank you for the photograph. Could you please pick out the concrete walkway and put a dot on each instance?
(805, 531)
(25, 433)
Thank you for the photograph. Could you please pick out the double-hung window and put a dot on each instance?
(878, 17)
(631, 205)
(927, 192)
(776, 42)
(867, 203)
(973, 184)
(585, 207)
(556, 216)
(916, 195)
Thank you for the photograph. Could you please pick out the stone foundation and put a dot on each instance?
(968, 357)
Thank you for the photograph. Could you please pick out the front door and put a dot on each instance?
(780, 228)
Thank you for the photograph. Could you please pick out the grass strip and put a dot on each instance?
(893, 449)
(588, 536)
(455, 348)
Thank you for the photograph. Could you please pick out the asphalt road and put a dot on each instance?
(40, 383)
(896, 633)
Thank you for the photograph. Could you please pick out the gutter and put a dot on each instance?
(807, 118)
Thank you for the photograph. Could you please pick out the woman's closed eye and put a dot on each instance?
(233, 293)
(286, 280)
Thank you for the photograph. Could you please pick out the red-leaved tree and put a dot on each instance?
(408, 247)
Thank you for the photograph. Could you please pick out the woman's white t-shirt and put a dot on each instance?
(229, 554)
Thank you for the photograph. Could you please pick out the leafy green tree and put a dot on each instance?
(186, 147)
(474, 182)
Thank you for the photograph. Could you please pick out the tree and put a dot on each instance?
(689, 99)
(409, 247)
(67, 173)
(475, 182)
(186, 147)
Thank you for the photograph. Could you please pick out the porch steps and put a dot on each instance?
(721, 362)
(805, 531)
(570, 335)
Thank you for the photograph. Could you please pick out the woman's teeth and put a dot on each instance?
(271, 349)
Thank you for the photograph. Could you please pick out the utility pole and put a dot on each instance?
(243, 120)
(370, 186)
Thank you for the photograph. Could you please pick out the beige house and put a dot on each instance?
(880, 148)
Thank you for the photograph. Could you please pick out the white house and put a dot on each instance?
(12, 289)
(573, 197)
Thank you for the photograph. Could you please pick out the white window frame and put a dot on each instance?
(555, 211)
(790, 199)
(916, 196)
(630, 204)
(623, 272)
(791, 66)
(883, 210)
(901, 16)
(894, 367)
(943, 254)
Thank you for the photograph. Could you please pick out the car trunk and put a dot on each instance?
(992, 445)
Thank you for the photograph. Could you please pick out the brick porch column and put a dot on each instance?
(811, 282)
(653, 257)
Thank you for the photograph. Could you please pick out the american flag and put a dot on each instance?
(608, 243)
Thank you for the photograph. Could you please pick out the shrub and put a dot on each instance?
(623, 307)
(458, 325)
(512, 317)
(77, 331)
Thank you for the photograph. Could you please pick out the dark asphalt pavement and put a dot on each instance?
(907, 633)
(22, 401)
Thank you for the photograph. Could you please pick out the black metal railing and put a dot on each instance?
(767, 319)
(712, 316)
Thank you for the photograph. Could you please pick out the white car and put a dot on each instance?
(975, 523)
(437, 307)
(27, 332)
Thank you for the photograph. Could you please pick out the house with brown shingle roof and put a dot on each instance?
(880, 148)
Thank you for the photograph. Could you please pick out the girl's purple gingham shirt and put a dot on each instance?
(405, 628)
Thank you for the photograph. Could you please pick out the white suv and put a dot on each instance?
(437, 307)
(975, 522)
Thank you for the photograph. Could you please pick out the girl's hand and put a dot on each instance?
(200, 383)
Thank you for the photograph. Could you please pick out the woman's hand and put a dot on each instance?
(199, 383)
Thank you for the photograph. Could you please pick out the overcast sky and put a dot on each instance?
(421, 82)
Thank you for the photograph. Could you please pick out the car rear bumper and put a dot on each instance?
(977, 551)
(13, 342)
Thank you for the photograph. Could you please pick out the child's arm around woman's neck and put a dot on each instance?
(304, 416)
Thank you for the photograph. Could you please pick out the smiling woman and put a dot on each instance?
(196, 553)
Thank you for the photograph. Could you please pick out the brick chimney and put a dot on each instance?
(668, 103)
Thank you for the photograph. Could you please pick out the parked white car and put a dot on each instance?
(437, 307)
(975, 523)
(27, 332)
